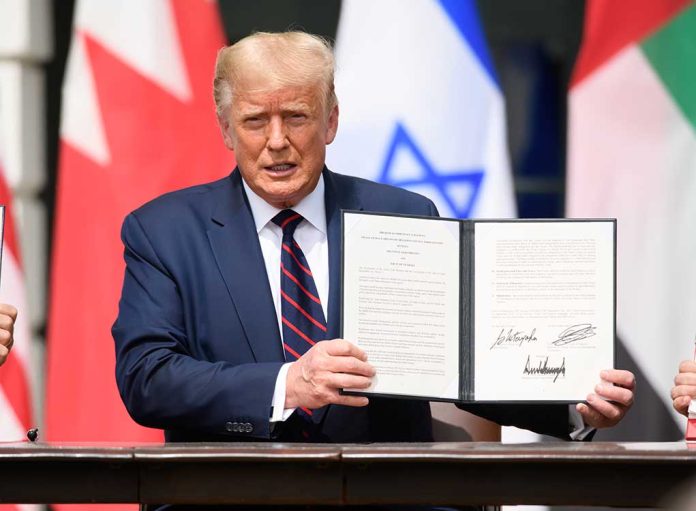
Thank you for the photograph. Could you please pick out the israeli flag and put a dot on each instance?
(420, 105)
(421, 108)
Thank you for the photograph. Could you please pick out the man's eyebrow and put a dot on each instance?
(250, 111)
(296, 106)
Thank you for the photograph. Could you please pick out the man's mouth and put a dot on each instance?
(280, 168)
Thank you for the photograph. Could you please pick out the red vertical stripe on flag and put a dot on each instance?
(13, 375)
(15, 408)
(157, 143)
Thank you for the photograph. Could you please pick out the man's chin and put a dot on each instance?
(283, 199)
(284, 192)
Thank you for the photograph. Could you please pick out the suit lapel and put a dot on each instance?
(336, 199)
(235, 244)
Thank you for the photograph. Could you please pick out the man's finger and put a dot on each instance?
(6, 308)
(350, 365)
(613, 412)
(687, 366)
(590, 416)
(619, 377)
(343, 348)
(349, 381)
(352, 400)
(6, 323)
(681, 404)
(685, 379)
(683, 390)
(5, 338)
(614, 393)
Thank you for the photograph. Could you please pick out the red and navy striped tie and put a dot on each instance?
(303, 318)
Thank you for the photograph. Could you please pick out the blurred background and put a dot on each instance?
(494, 108)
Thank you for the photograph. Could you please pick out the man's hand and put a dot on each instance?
(8, 315)
(611, 400)
(684, 389)
(315, 378)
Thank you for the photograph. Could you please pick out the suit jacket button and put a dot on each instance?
(229, 426)
(249, 428)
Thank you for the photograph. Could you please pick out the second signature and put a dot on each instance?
(575, 333)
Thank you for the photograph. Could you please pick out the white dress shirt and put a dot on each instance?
(311, 236)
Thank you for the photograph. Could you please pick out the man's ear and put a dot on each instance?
(332, 125)
(226, 130)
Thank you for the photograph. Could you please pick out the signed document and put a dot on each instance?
(480, 310)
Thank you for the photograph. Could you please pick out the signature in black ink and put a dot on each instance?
(515, 338)
(575, 333)
(544, 368)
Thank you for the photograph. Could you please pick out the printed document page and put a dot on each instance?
(401, 301)
(544, 309)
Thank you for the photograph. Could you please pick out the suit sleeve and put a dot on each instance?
(160, 382)
(432, 209)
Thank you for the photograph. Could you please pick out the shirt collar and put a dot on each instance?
(311, 207)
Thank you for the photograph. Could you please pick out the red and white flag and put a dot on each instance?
(15, 393)
(138, 120)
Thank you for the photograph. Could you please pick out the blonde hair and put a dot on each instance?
(283, 59)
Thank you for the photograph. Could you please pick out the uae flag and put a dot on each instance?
(632, 156)
(138, 120)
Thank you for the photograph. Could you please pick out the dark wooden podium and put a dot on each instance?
(636, 475)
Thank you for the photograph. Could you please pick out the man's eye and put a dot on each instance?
(253, 121)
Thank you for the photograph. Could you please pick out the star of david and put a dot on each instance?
(443, 183)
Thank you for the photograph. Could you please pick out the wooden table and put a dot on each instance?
(598, 473)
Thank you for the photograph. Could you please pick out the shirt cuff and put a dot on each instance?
(577, 427)
(280, 413)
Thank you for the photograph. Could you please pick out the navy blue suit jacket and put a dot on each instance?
(197, 342)
(198, 348)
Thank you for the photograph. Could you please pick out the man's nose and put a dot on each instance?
(277, 137)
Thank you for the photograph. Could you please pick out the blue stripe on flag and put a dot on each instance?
(465, 17)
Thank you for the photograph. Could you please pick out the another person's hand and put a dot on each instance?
(8, 315)
(315, 378)
(610, 401)
(684, 389)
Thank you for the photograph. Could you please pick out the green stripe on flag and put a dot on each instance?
(672, 53)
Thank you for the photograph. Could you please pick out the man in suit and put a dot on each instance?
(207, 339)
(8, 316)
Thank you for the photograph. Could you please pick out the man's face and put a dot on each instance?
(279, 139)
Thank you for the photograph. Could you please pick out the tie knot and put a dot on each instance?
(288, 220)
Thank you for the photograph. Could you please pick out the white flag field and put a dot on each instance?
(420, 105)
